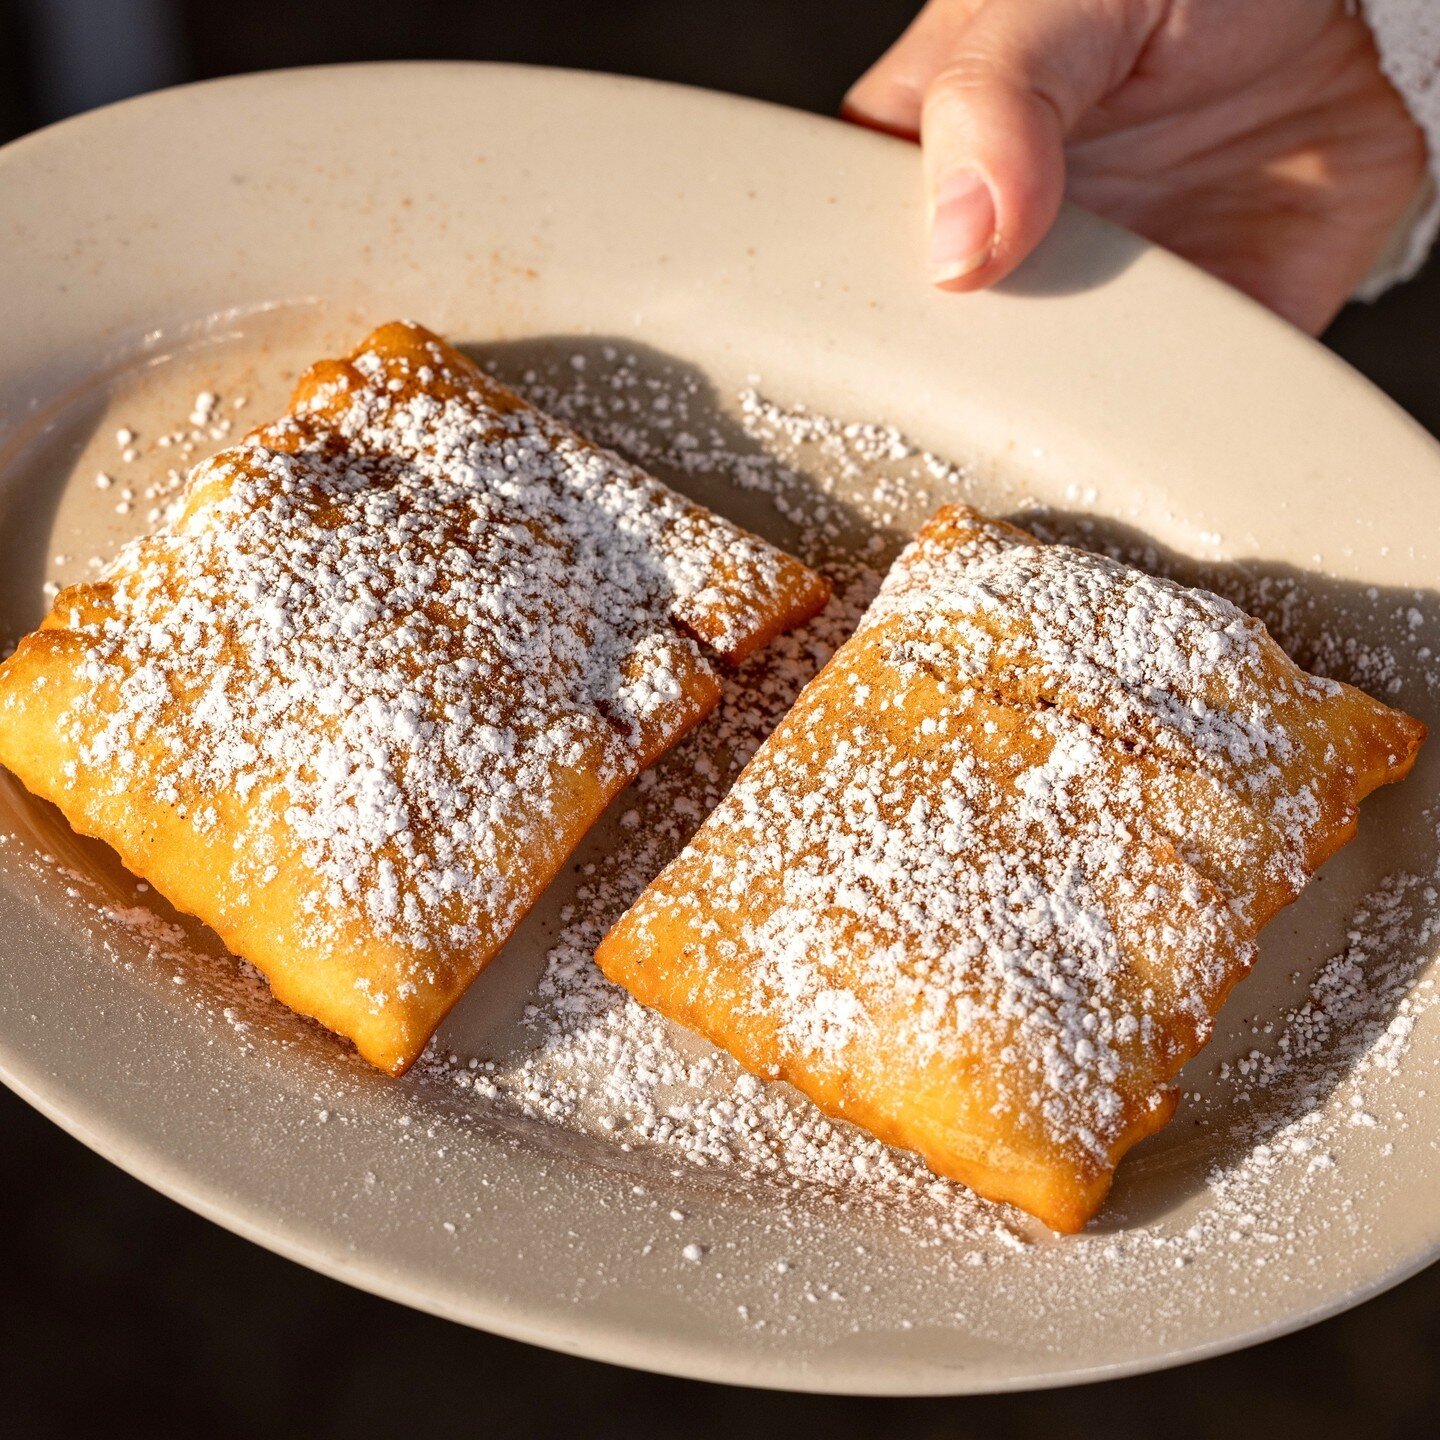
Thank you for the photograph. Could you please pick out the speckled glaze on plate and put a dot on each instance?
(221, 236)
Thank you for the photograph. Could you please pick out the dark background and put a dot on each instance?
(118, 1308)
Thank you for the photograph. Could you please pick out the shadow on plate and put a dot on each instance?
(1082, 254)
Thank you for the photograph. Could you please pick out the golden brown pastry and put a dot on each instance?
(357, 703)
(985, 888)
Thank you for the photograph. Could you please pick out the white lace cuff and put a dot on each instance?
(1407, 33)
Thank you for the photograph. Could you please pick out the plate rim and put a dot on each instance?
(54, 1097)
(611, 1347)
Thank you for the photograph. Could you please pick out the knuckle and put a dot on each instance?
(968, 72)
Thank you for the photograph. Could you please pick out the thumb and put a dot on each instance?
(1018, 77)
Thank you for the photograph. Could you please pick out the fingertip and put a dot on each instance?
(989, 271)
(962, 282)
(878, 103)
(996, 162)
(962, 228)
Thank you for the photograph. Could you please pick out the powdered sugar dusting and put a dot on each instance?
(588, 1059)
(1016, 840)
(312, 630)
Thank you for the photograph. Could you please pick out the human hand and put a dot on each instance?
(1257, 138)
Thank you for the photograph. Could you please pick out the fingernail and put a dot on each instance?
(962, 226)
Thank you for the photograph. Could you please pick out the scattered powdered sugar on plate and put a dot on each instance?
(1258, 1120)
(145, 479)
(601, 1061)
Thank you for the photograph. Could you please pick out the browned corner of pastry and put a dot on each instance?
(801, 594)
(323, 377)
(409, 345)
(953, 524)
(402, 337)
(1411, 735)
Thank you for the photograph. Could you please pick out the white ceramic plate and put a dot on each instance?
(219, 237)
